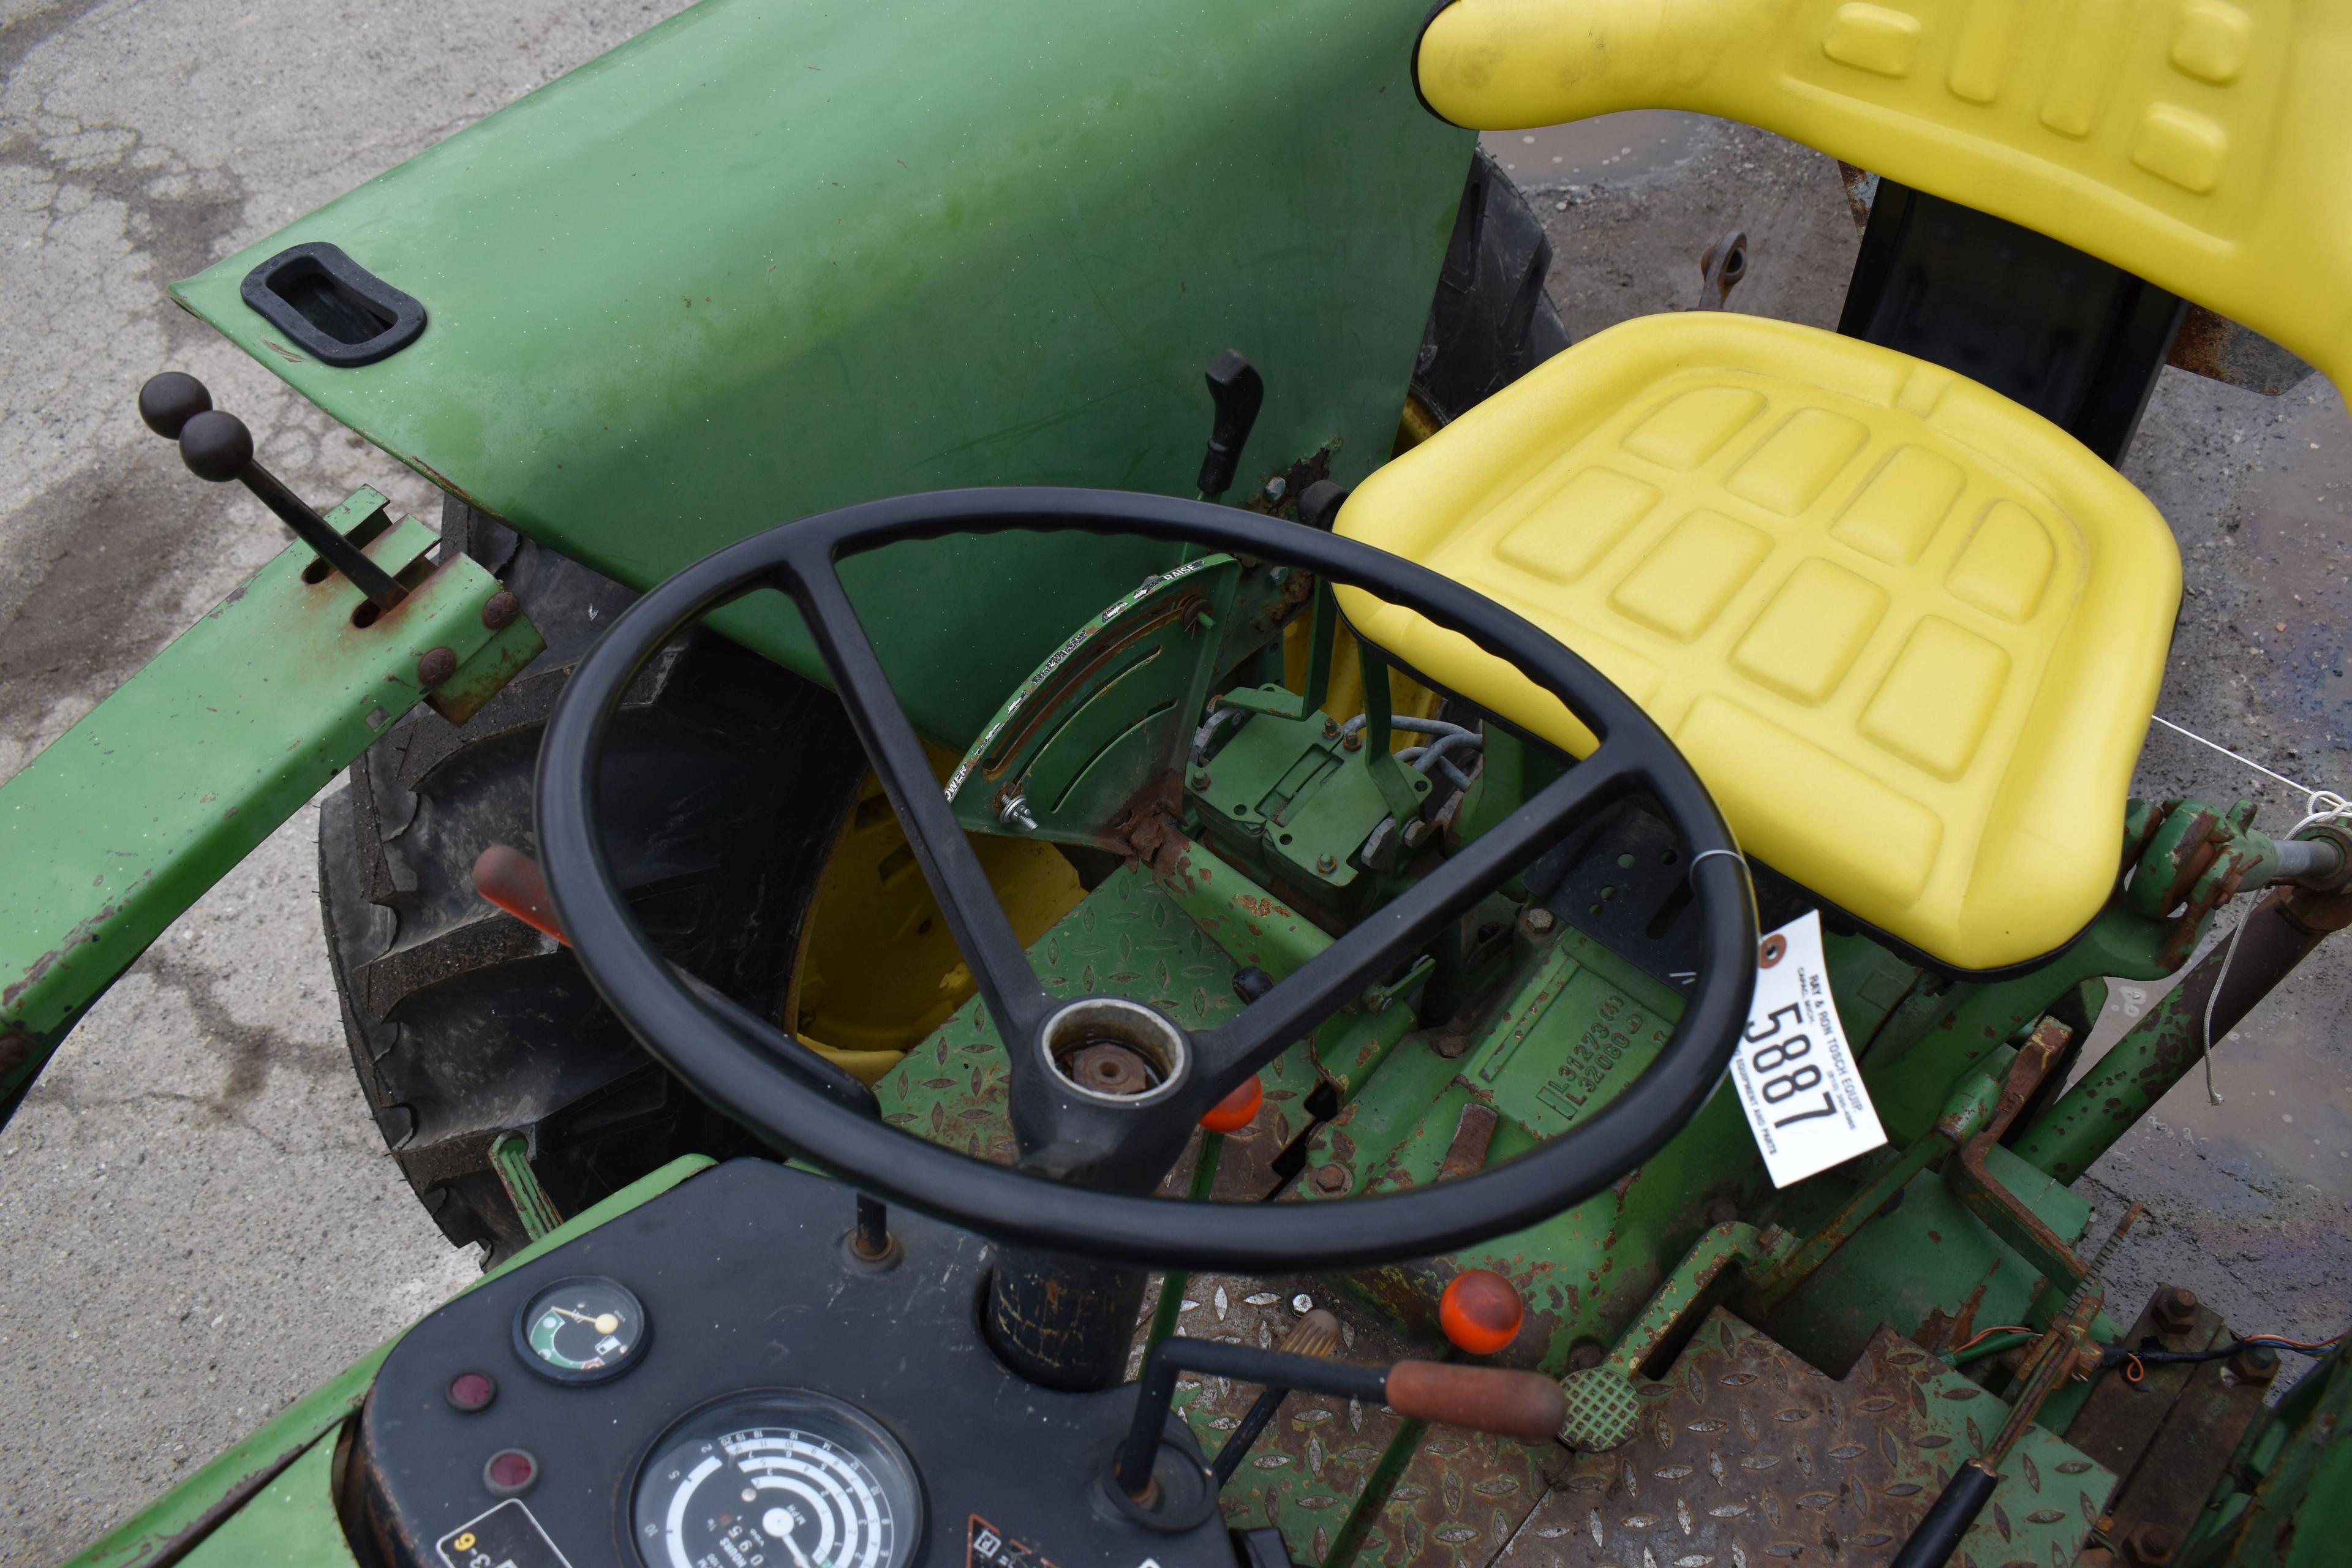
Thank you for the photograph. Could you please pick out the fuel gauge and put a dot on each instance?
(582, 1331)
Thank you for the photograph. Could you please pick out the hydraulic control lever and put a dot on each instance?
(1526, 1405)
(1237, 390)
(217, 446)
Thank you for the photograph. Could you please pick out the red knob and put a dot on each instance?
(1480, 1312)
(1237, 1110)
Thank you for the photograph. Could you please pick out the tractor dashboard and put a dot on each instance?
(714, 1380)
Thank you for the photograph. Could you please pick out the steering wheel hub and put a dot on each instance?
(1114, 1051)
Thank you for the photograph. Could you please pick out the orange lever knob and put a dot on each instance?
(1237, 1110)
(510, 879)
(1480, 1312)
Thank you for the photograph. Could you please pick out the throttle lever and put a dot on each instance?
(1526, 1405)
(218, 447)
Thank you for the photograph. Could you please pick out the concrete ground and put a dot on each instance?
(200, 1223)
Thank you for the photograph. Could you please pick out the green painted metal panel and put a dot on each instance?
(290, 1523)
(215, 1492)
(114, 830)
(769, 258)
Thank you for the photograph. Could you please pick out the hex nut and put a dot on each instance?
(500, 611)
(1537, 919)
(2175, 1309)
(2149, 1546)
(1325, 865)
(434, 665)
(2255, 1364)
(1353, 740)
(1331, 1179)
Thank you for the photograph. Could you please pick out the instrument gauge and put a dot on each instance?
(782, 1479)
(582, 1331)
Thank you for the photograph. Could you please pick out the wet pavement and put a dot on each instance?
(201, 1223)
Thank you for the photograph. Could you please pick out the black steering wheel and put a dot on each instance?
(1079, 1145)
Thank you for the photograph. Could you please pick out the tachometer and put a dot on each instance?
(784, 1479)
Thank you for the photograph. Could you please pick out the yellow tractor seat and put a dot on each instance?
(1909, 632)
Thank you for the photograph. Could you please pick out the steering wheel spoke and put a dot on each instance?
(1391, 935)
(1000, 966)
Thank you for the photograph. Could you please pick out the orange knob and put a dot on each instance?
(1480, 1312)
(1237, 1110)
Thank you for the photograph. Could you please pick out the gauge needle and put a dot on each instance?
(575, 1316)
(800, 1558)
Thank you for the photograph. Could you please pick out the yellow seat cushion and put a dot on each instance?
(1909, 632)
(2205, 145)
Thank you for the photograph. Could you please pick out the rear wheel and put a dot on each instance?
(1491, 321)
(464, 1024)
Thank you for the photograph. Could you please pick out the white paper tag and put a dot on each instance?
(1796, 1082)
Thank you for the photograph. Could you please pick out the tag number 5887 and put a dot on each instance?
(1767, 1053)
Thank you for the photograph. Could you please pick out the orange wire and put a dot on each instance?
(1983, 1334)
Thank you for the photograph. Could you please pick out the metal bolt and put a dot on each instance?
(1451, 1047)
(1201, 779)
(2255, 1364)
(2150, 1545)
(1331, 729)
(434, 665)
(1325, 865)
(1353, 740)
(500, 611)
(2175, 1309)
(1275, 487)
(14, 1051)
(1538, 920)
(1331, 1179)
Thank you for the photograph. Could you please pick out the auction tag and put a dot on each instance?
(1805, 1101)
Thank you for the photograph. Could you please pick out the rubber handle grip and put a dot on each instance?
(511, 879)
(1523, 1405)
(1939, 1535)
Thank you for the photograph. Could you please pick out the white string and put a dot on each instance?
(2318, 806)
(2212, 1095)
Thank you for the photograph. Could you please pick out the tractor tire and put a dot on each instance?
(1491, 321)
(725, 782)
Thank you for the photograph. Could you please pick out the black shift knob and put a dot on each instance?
(215, 445)
(170, 400)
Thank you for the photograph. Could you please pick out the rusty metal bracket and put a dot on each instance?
(1970, 1106)
(1972, 1178)
(113, 831)
(1720, 270)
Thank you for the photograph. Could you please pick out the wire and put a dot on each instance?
(2135, 1363)
(1983, 1334)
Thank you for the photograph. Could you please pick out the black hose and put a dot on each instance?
(1932, 1544)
